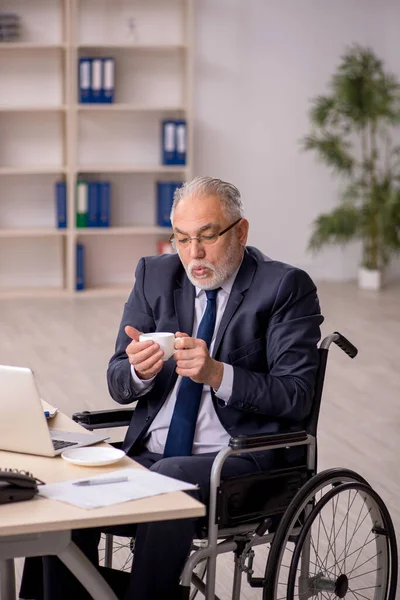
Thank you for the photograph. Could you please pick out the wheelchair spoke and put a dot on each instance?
(320, 566)
(364, 563)
(361, 549)
(318, 534)
(345, 519)
(358, 525)
(358, 594)
(357, 549)
(324, 562)
(363, 574)
(347, 525)
(333, 528)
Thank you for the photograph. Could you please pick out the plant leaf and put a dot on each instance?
(332, 150)
(337, 227)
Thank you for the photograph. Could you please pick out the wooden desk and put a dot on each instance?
(26, 528)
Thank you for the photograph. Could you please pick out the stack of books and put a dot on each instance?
(96, 80)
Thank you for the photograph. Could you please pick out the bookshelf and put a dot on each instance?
(47, 136)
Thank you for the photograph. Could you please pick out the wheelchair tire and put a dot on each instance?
(289, 528)
(334, 569)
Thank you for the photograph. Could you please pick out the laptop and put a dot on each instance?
(23, 425)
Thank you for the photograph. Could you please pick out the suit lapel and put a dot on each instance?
(240, 285)
(184, 305)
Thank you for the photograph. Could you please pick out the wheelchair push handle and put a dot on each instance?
(340, 341)
(345, 345)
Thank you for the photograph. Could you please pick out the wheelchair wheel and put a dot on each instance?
(346, 548)
(122, 555)
(290, 526)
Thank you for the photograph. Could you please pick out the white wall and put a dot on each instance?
(257, 65)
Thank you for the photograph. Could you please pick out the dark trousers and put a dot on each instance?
(161, 548)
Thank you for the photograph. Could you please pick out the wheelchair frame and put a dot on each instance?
(241, 538)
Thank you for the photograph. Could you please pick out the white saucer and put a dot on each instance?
(93, 457)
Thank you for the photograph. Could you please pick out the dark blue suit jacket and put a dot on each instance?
(269, 332)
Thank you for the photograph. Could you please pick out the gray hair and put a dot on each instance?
(228, 194)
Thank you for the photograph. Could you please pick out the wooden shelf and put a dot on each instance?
(107, 291)
(30, 46)
(32, 232)
(134, 230)
(33, 109)
(32, 292)
(131, 168)
(137, 47)
(42, 120)
(127, 107)
(34, 170)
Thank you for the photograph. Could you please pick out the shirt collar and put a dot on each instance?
(226, 285)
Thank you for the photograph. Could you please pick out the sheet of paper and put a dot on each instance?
(141, 484)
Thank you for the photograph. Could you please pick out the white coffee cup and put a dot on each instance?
(165, 340)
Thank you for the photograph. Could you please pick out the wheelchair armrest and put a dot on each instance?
(103, 419)
(255, 441)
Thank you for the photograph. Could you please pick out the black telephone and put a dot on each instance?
(17, 485)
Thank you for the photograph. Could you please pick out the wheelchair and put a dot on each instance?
(329, 534)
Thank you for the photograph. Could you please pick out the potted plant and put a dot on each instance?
(353, 127)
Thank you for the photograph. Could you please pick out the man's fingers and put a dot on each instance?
(186, 343)
(180, 334)
(141, 351)
(132, 333)
(149, 373)
(149, 363)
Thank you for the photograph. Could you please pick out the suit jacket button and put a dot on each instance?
(126, 393)
(240, 404)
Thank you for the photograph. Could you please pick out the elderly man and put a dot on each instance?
(246, 362)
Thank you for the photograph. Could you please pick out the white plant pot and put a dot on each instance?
(369, 279)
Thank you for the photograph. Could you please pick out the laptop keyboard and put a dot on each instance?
(59, 444)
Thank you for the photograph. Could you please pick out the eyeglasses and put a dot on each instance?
(203, 239)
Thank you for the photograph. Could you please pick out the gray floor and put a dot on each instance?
(68, 344)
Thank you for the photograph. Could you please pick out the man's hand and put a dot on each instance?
(193, 360)
(146, 357)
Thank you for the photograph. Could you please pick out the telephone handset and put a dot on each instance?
(17, 485)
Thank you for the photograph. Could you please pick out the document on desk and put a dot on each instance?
(139, 483)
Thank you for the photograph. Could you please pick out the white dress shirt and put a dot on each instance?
(210, 435)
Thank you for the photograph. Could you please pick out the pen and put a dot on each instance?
(100, 481)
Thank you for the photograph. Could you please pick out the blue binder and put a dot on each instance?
(97, 80)
(165, 199)
(61, 204)
(108, 89)
(180, 133)
(85, 80)
(168, 137)
(93, 203)
(104, 202)
(80, 267)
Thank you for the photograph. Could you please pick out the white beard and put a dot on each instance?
(218, 274)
